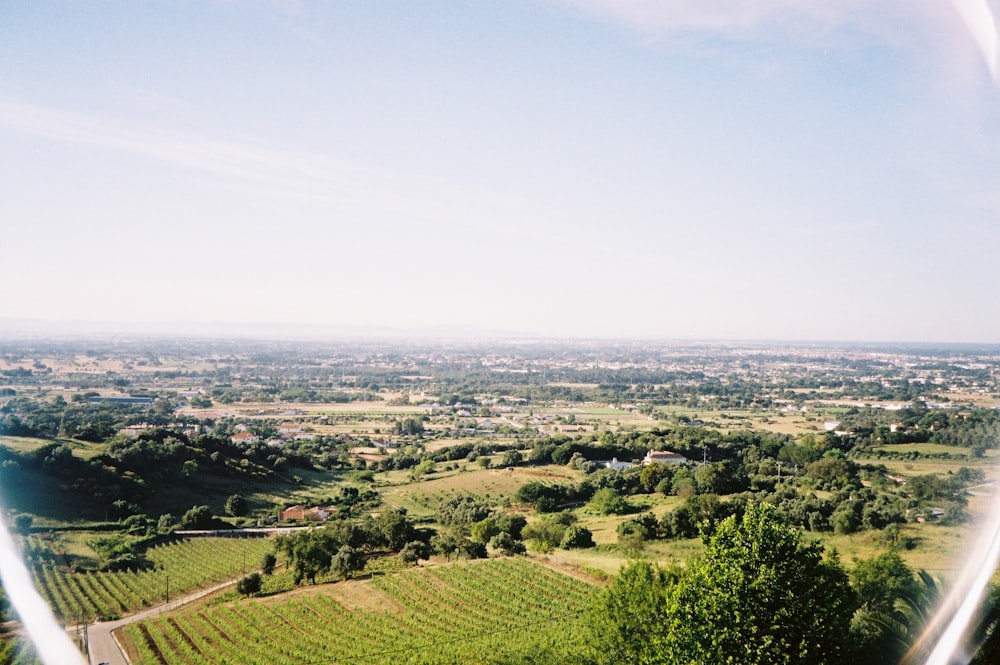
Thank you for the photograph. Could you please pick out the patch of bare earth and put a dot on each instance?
(350, 593)
(570, 569)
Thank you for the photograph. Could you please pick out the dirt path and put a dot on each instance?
(103, 645)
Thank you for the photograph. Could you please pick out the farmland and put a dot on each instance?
(501, 610)
(406, 454)
(179, 568)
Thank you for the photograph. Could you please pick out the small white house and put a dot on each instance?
(616, 465)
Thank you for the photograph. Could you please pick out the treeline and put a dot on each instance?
(137, 470)
(471, 528)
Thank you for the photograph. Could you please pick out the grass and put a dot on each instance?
(27, 444)
(422, 497)
(925, 449)
(925, 466)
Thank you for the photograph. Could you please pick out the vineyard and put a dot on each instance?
(178, 568)
(495, 611)
(15, 652)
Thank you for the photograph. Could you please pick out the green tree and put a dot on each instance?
(576, 537)
(310, 553)
(886, 587)
(189, 468)
(395, 528)
(346, 561)
(503, 543)
(607, 501)
(414, 551)
(166, 523)
(626, 620)
(199, 517)
(483, 530)
(268, 563)
(237, 505)
(249, 585)
(446, 544)
(760, 595)
(511, 458)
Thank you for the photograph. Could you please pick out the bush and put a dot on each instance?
(576, 537)
(606, 501)
(199, 517)
(503, 543)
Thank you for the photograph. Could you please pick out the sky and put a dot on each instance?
(775, 170)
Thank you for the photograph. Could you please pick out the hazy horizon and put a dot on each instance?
(559, 169)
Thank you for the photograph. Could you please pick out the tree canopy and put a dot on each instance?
(758, 595)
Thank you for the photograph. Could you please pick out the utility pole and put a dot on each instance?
(779, 471)
(168, 589)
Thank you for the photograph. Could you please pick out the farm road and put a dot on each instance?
(104, 648)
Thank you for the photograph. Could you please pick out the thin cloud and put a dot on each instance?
(312, 177)
(259, 167)
(260, 164)
(763, 19)
(935, 32)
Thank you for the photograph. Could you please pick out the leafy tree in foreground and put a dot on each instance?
(760, 595)
(627, 620)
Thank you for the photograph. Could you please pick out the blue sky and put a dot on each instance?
(569, 168)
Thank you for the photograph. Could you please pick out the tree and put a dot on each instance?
(347, 560)
(503, 543)
(511, 458)
(484, 530)
(199, 517)
(395, 528)
(22, 524)
(310, 553)
(268, 563)
(760, 595)
(249, 585)
(606, 501)
(237, 505)
(166, 523)
(576, 537)
(512, 524)
(625, 620)
(886, 591)
(446, 544)
(414, 551)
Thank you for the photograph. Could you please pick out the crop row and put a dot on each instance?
(180, 568)
(16, 652)
(499, 610)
